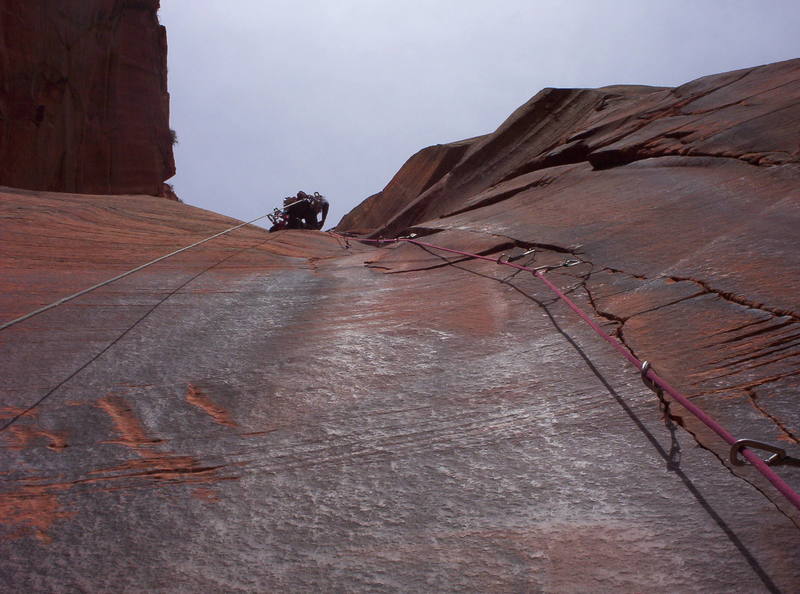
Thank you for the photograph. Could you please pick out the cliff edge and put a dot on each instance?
(84, 105)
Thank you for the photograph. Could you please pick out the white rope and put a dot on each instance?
(123, 275)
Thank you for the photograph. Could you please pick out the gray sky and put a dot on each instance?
(273, 96)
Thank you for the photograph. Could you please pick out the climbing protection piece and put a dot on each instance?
(651, 378)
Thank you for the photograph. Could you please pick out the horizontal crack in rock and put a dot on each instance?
(739, 300)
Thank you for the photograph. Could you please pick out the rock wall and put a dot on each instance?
(682, 206)
(296, 412)
(752, 115)
(419, 173)
(84, 105)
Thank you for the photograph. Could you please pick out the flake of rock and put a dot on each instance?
(751, 114)
(419, 173)
(404, 257)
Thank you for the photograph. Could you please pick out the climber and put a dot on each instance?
(300, 212)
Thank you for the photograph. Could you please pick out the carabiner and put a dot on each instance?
(778, 454)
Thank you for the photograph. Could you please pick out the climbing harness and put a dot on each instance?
(123, 275)
(278, 218)
(651, 379)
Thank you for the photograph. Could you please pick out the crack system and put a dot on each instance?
(618, 322)
(738, 299)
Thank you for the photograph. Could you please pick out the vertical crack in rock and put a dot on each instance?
(618, 322)
(754, 401)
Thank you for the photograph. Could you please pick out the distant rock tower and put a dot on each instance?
(84, 106)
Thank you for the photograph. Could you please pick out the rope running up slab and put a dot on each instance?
(68, 298)
(647, 373)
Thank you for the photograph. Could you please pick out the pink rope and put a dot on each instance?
(698, 412)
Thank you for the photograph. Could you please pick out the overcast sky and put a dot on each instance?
(272, 96)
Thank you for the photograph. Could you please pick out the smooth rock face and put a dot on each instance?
(84, 105)
(301, 412)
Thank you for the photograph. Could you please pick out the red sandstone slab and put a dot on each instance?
(671, 217)
(419, 173)
(750, 114)
(267, 413)
(274, 424)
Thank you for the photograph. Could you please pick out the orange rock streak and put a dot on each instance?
(31, 510)
(196, 397)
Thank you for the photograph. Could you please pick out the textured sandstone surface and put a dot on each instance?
(299, 412)
(752, 115)
(83, 97)
(418, 174)
(683, 204)
(277, 412)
